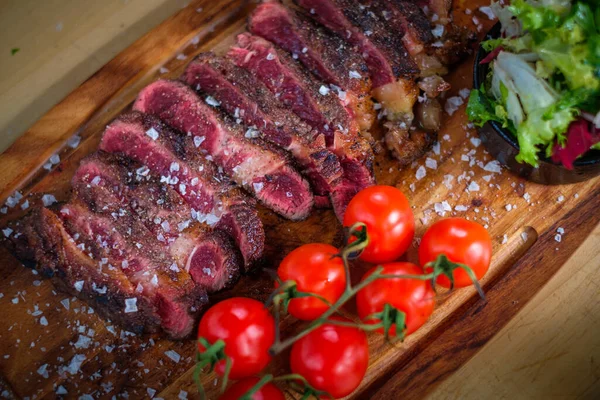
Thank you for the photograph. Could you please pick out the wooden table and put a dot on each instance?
(550, 349)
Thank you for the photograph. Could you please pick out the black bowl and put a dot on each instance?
(503, 145)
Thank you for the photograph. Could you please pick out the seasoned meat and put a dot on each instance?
(250, 163)
(174, 159)
(324, 54)
(124, 243)
(114, 189)
(322, 110)
(40, 240)
(248, 101)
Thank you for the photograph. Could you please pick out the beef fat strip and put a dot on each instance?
(325, 55)
(109, 187)
(250, 163)
(322, 110)
(40, 240)
(250, 102)
(174, 159)
(124, 243)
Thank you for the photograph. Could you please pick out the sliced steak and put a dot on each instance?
(299, 91)
(250, 102)
(110, 187)
(124, 243)
(173, 158)
(392, 69)
(325, 55)
(250, 163)
(40, 240)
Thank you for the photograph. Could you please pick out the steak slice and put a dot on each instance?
(250, 163)
(40, 240)
(249, 101)
(392, 69)
(110, 187)
(172, 158)
(325, 55)
(124, 243)
(324, 112)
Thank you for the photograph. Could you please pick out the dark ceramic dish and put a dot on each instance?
(504, 146)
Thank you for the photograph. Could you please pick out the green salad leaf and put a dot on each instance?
(546, 76)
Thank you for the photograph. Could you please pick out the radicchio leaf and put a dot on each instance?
(580, 137)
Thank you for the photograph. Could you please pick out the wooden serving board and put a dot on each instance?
(51, 344)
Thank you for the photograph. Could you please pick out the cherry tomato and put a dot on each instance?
(266, 392)
(463, 242)
(389, 219)
(412, 296)
(248, 330)
(314, 270)
(332, 358)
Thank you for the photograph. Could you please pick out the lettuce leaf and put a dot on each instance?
(481, 109)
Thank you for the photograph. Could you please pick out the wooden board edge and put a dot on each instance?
(452, 344)
(26, 156)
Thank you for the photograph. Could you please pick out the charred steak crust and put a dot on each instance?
(248, 101)
(298, 90)
(173, 158)
(250, 163)
(113, 186)
(384, 52)
(325, 55)
(44, 243)
(123, 243)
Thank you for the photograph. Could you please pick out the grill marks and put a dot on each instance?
(251, 164)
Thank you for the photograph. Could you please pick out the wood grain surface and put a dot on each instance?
(41, 340)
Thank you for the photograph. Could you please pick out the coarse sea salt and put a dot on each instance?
(48, 200)
(152, 133)
(78, 285)
(431, 163)
(438, 31)
(211, 101)
(258, 186)
(354, 75)
(198, 140)
(493, 166)
(461, 208)
(74, 141)
(487, 10)
(173, 355)
(131, 305)
(473, 187)
(452, 104)
(421, 173)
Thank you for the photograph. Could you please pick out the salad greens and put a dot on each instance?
(544, 76)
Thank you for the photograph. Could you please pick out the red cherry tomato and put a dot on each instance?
(332, 358)
(266, 392)
(314, 270)
(412, 296)
(389, 219)
(463, 242)
(248, 330)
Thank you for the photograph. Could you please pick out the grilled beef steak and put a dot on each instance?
(248, 101)
(109, 187)
(124, 243)
(325, 55)
(41, 240)
(174, 159)
(322, 110)
(250, 163)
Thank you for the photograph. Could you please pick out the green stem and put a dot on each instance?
(262, 382)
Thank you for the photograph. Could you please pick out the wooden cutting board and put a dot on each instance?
(42, 342)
